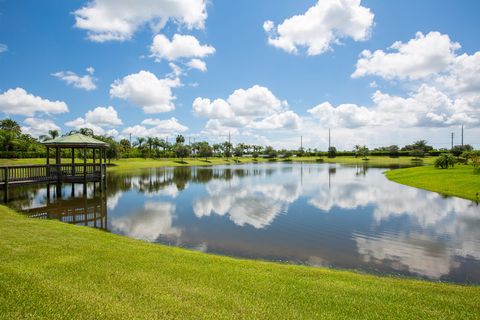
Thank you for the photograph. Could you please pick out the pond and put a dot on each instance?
(347, 217)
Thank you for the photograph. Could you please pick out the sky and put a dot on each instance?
(266, 72)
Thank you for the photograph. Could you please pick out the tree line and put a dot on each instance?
(17, 144)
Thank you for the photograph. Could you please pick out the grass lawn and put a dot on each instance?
(138, 163)
(52, 270)
(460, 181)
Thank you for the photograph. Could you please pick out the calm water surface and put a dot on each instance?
(316, 214)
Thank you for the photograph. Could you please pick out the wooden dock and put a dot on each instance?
(51, 173)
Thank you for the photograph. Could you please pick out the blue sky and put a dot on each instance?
(263, 85)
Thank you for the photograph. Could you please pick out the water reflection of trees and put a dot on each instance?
(156, 179)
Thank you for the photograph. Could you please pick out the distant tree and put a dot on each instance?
(332, 152)
(180, 139)
(7, 139)
(150, 142)
(10, 125)
(287, 153)
(421, 145)
(238, 151)
(472, 157)
(217, 148)
(182, 151)
(227, 149)
(270, 152)
(205, 150)
(445, 160)
(139, 142)
(458, 150)
(417, 153)
(393, 151)
(164, 145)
(361, 151)
(52, 134)
(86, 132)
(124, 145)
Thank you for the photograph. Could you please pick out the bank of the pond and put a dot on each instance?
(460, 181)
(140, 163)
(52, 270)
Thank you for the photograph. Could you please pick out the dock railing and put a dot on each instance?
(20, 174)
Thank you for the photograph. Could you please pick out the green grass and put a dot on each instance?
(460, 181)
(137, 163)
(52, 270)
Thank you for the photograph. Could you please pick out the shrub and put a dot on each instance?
(445, 160)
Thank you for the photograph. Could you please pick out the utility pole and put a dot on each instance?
(328, 138)
(229, 137)
(130, 139)
(452, 139)
(462, 135)
(301, 143)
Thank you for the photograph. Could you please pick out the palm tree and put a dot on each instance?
(150, 142)
(86, 132)
(140, 141)
(10, 125)
(216, 148)
(52, 134)
(180, 139)
(7, 139)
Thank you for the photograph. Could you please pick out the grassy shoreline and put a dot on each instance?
(53, 270)
(460, 181)
(139, 163)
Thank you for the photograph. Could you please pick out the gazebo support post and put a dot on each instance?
(101, 166)
(73, 162)
(57, 164)
(84, 164)
(94, 160)
(48, 163)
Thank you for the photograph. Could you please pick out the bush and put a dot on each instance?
(444, 161)
(22, 154)
(332, 152)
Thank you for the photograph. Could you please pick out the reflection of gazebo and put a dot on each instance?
(71, 172)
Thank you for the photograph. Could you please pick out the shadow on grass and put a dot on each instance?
(181, 161)
(207, 161)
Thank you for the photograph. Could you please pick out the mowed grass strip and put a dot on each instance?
(141, 163)
(460, 181)
(51, 270)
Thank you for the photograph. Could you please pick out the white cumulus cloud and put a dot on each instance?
(197, 64)
(423, 56)
(86, 82)
(144, 89)
(20, 102)
(37, 126)
(322, 25)
(97, 119)
(156, 128)
(255, 108)
(344, 116)
(107, 20)
(181, 46)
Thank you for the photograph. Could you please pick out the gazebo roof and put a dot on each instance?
(76, 140)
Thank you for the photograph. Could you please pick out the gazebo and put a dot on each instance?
(74, 172)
